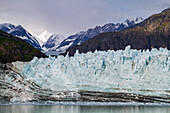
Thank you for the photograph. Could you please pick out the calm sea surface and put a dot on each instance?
(81, 109)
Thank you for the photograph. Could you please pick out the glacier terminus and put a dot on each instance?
(123, 75)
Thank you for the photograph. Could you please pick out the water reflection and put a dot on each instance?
(81, 109)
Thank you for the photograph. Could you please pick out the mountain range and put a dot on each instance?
(54, 44)
(83, 36)
(153, 32)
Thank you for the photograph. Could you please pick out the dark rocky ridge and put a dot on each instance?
(152, 32)
(15, 49)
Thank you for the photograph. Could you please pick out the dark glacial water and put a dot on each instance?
(82, 109)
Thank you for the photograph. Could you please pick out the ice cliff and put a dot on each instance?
(129, 71)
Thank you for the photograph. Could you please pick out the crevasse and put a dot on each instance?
(135, 71)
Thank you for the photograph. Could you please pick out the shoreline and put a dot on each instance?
(54, 103)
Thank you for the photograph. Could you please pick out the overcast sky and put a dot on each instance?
(67, 17)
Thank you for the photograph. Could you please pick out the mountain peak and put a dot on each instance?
(19, 27)
(128, 22)
(45, 33)
(43, 37)
(6, 24)
(6, 27)
(53, 41)
(138, 19)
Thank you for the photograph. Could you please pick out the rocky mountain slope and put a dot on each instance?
(20, 32)
(152, 32)
(83, 36)
(15, 49)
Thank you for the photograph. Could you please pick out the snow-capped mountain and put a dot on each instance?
(138, 20)
(128, 22)
(53, 41)
(20, 32)
(83, 36)
(43, 37)
(48, 41)
(56, 44)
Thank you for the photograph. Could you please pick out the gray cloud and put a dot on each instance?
(70, 16)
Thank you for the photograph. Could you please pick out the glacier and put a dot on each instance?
(103, 76)
(129, 71)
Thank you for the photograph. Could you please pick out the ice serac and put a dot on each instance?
(129, 71)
